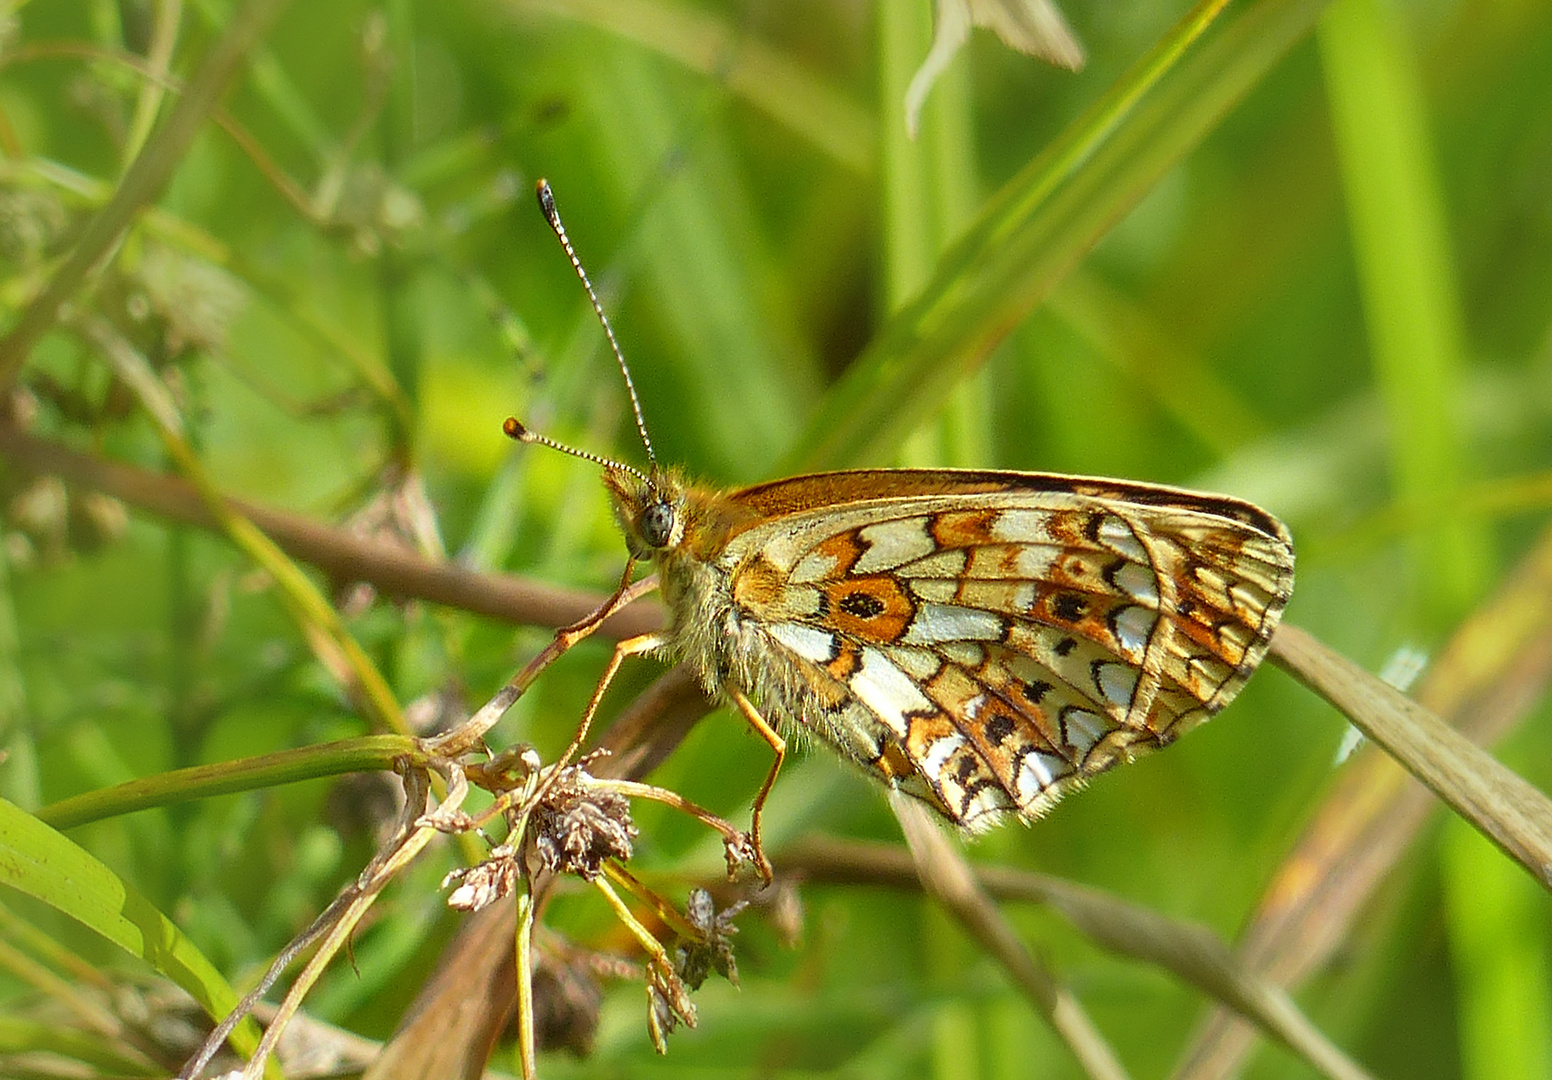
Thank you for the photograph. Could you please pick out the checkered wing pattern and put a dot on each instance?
(986, 641)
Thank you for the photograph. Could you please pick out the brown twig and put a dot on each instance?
(395, 570)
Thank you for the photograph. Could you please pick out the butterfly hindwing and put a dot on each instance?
(988, 645)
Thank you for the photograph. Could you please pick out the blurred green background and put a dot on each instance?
(1337, 304)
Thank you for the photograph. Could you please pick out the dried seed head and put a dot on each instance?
(580, 824)
(696, 960)
(482, 884)
(668, 1003)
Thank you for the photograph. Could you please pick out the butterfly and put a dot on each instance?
(983, 641)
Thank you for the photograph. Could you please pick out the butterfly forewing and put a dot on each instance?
(985, 640)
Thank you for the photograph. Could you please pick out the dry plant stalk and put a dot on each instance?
(560, 820)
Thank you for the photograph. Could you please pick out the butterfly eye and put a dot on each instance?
(657, 524)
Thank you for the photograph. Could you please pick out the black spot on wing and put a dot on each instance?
(1069, 607)
(998, 728)
(862, 605)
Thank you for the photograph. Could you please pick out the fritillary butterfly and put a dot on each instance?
(984, 641)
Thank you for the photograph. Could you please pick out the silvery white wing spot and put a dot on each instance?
(983, 641)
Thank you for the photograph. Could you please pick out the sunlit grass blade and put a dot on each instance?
(1407, 277)
(1043, 222)
(36, 860)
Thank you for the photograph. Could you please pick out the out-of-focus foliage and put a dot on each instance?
(1336, 305)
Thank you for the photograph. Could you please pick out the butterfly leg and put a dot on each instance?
(779, 745)
(636, 646)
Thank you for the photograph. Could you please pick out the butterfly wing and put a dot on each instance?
(987, 640)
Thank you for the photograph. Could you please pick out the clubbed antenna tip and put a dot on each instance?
(516, 430)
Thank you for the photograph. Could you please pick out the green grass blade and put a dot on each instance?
(36, 860)
(929, 188)
(27, 1037)
(741, 379)
(19, 780)
(1499, 952)
(1043, 222)
(765, 78)
(1407, 278)
(370, 752)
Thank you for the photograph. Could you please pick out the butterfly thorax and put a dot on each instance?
(684, 529)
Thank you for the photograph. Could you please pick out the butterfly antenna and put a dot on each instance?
(552, 215)
(517, 431)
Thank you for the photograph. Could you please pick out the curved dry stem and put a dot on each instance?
(947, 878)
(332, 927)
(394, 570)
(1189, 950)
(522, 953)
(1501, 804)
(1487, 678)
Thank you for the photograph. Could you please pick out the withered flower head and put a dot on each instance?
(580, 824)
(696, 960)
(487, 882)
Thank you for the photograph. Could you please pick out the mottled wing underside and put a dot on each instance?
(986, 641)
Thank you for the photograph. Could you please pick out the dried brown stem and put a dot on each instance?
(1191, 951)
(332, 927)
(1486, 679)
(947, 878)
(1503, 805)
(396, 571)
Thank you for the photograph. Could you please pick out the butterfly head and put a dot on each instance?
(650, 509)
